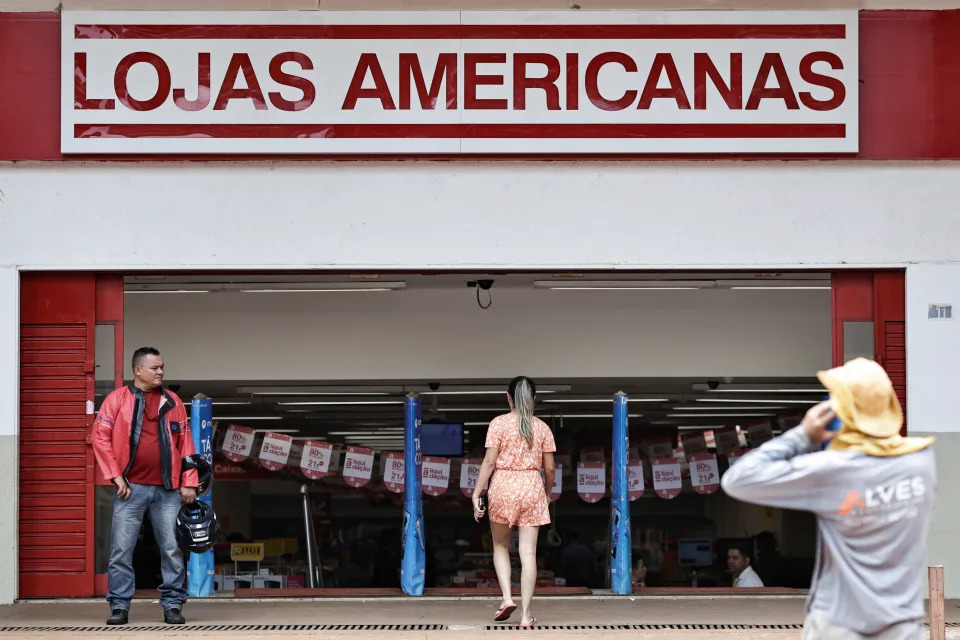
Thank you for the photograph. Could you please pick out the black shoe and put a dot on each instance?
(118, 616)
(173, 616)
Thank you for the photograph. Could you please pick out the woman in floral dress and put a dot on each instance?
(519, 445)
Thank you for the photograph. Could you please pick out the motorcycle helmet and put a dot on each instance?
(204, 471)
(197, 527)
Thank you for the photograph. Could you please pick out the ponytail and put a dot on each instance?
(522, 391)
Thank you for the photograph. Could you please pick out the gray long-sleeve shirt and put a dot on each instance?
(872, 517)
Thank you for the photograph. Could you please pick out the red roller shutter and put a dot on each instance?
(889, 301)
(57, 328)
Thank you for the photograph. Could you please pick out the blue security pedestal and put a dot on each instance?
(413, 564)
(200, 568)
(620, 549)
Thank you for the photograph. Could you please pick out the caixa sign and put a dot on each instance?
(481, 82)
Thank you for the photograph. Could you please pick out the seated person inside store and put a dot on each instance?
(140, 437)
(739, 559)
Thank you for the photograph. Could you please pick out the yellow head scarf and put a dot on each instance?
(862, 396)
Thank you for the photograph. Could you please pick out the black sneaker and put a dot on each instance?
(118, 616)
(173, 616)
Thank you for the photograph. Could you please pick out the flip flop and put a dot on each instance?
(533, 623)
(504, 613)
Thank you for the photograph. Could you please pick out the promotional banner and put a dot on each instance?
(557, 488)
(393, 475)
(436, 476)
(414, 559)
(660, 447)
(704, 473)
(315, 459)
(238, 443)
(667, 479)
(469, 474)
(275, 450)
(759, 433)
(694, 443)
(459, 82)
(565, 460)
(735, 455)
(621, 563)
(200, 568)
(727, 439)
(591, 481)
(358, 466)
(635, 479)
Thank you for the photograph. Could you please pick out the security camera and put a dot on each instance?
(433, 385)
(713, 384)
(486, 285)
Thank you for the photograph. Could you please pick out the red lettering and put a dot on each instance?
(783, 90)
(163, 81)
(380, 91)
(704, 68)
(663, 62)
(203, 87)
(817, 79)
(229, 91)
(573, 87)
(593, 71)
(410, 69)
(472, 80)
(278, 75)
(548, 83)
(80, 100)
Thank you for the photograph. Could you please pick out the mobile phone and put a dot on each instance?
(833, 425)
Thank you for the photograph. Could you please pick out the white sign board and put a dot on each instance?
(459, 82)
(238, 443)
(275, 450)
(315, 459)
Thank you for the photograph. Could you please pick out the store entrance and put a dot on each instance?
(711, 366)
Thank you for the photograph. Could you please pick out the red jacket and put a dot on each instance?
(116, 433)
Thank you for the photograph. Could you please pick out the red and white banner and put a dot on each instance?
(667, 480)
(694, 443)
(393, 471)
(358, 466)
(275, 450)
(459, 82)
(635, 480)
(557, 489)
(315, 459)
(565, 462)
(660, 447)
(436, 476)
(727, 439)
(591, 481)
(704, 473)
(759, 433)
(238, 443)
(469, 474)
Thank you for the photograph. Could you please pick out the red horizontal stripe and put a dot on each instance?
(456, 32)
(517, 131)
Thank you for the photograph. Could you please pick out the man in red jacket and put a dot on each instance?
(140, 438)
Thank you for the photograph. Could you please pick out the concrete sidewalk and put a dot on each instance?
(456, 619)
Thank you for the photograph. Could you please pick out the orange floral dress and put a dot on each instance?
(517, 497)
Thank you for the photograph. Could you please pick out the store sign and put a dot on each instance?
(436, 475)
(246, 551)
(469, 474)
(635, 481)
(275, 450)
(452, 82)
(591, 481)
(393, 471)
(667, 478)
(238, 443)
(315, 459)
(704, 473)
(358, 466)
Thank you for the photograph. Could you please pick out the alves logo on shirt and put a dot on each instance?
(884, 501)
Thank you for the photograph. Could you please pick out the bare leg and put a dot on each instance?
(501, 559)
(528, 572)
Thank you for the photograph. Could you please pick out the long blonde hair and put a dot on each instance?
(522, 393)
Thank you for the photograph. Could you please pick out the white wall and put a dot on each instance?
(442, 333)
(9, 416)
(609, 215)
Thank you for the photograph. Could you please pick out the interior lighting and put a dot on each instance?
(339, 403)
(602, 400)
(756, 401)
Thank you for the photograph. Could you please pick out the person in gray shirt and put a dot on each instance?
(872, 492)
